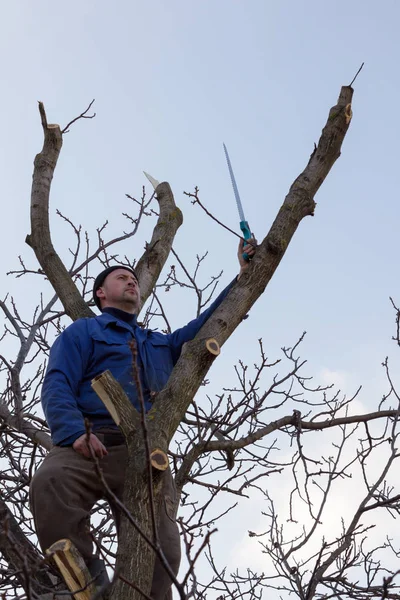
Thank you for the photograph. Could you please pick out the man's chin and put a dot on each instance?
(131, 299)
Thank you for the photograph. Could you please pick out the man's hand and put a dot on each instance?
(81, 446)
(249, 248)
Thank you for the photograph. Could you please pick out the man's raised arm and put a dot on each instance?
(188, 332)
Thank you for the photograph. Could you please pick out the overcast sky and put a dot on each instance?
(172, 82)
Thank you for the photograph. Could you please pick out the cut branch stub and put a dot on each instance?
(349, 113)
(73, 569)
(159, 460)
(213, 346)
(117, 403)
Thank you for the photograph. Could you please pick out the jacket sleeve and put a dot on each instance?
(188, 332)
(67, 362)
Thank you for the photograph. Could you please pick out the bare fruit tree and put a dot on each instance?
(236, 444)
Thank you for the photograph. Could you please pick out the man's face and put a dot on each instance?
(120, 289)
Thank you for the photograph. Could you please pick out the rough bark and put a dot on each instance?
(135, 556)
(141, 493)
(195, 361)
(40, 238)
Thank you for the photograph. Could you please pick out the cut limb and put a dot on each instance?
(104, 396)
(113, 396)
(213, 346)
(159, 460)
(73, 569)
(124, 414)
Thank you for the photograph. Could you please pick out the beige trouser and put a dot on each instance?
(64, 490)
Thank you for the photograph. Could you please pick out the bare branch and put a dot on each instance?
(40, 239)
(151, 263)
(356, 75)
(83, 115)
(195, 360)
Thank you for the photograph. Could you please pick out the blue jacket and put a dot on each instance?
(90, 346)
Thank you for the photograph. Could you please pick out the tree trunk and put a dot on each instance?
(135, 557)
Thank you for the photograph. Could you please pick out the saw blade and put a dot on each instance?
(234, 185)
(153, 181)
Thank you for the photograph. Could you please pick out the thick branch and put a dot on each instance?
(157, 251)
(293, 420)
(135, 558)
(23, 426)
(195, 361)
(19, 552)
(40, 238)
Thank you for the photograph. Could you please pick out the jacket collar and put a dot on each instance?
(105, 319)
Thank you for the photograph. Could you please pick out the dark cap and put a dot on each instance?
(98, 282)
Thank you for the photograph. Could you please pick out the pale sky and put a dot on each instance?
(172, 82)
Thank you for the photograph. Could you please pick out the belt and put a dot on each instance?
(110, 439)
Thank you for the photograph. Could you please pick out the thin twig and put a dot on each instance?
(81, 116)
(356, 75)
(197, 201)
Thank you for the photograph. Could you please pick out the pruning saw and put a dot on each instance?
(244, 226)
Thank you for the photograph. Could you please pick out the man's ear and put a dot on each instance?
(100, 293)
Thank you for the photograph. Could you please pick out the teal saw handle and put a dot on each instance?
(244, 226)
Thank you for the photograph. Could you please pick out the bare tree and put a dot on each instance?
(229, 446)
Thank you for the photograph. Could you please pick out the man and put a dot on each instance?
(65, 487)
